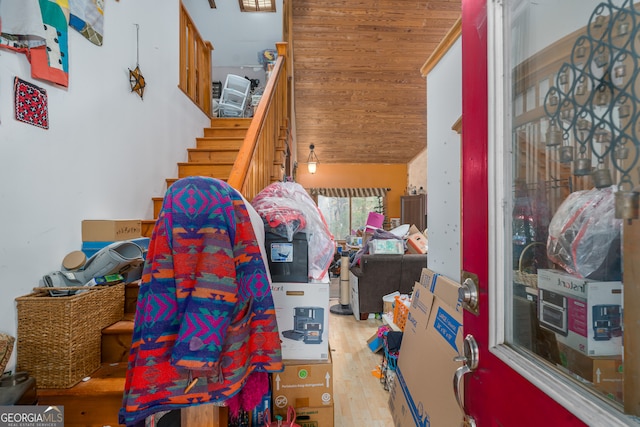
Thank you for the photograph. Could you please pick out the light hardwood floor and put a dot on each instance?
(359, 397)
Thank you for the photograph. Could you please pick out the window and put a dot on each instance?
(257, 5)
(346, 209)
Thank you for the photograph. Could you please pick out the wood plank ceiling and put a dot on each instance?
(359, 94)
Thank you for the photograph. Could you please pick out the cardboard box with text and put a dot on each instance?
(421, 394)
(302, 384)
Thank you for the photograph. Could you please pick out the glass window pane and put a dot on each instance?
(574, 155)
(336, 213)
(360, 208)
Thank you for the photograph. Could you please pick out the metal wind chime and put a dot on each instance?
(593, 107)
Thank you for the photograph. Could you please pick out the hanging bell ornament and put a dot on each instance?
(626, 204)
(621, 153)
(563, 78)
(602, 178)
(566, 154)
(582, 166)
(554, 136)
(583, 124)
(624, 110)
(623, 29)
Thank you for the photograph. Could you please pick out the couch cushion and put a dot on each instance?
(412, 265)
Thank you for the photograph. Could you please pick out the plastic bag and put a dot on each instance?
(584, 235)
(287, 209)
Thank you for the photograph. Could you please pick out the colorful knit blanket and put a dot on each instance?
(205, 319)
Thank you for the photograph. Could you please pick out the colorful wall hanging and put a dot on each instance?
(87, 17)
(47, 51)
(30, 103)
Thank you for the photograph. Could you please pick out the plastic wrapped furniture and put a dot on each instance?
(234, 96)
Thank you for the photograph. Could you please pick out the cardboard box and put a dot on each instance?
(417, 244)
(110, 230)
(302, 312)
(302, 384)
(584, 314)
(427, 278)
(315, 417)
(603, 372)
(421, 393)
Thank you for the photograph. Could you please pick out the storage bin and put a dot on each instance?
(58, 339)
(400, 312)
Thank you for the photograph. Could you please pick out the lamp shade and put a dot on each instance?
(312, 161)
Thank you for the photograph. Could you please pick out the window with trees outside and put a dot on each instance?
(347, 209)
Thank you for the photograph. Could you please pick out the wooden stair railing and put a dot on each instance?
(195, 63)
(263, 156)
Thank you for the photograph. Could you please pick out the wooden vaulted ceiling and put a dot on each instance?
(359, 93)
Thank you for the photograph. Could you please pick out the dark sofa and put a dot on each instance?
(380, 275)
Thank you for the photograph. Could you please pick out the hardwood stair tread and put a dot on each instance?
(91, 403)
(109, 378)
(120, 327)
(225, 163)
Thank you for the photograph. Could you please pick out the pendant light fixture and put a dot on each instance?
(312, 161)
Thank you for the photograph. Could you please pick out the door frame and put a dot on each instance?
(544, 384)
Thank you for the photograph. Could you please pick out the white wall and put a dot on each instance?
(417, 171)
(250, 33)
(444, 107)
(106, 153)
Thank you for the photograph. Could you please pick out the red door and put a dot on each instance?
(517, 382)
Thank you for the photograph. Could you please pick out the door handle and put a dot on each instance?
(469, 360)
(468, 294)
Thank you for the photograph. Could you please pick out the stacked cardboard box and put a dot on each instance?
(421, 393)
(302, 312)
(308, 387)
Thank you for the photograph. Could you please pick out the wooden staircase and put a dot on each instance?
(96, 402)
(213, 156)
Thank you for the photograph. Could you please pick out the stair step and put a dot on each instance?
(116, 342)
(130, 299)
(230, 122)
(204, 155)
(237, 132)
(220, 143)
(214, 170)
(157, 205)
(147, 227)
(95, 402)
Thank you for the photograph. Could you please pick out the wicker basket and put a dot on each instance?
(522, 277)
(6, 348)
(58, 339)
